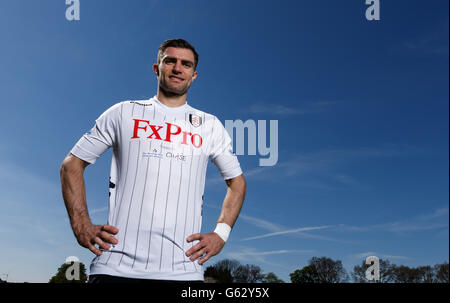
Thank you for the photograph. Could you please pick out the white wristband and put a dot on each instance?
(223, 230)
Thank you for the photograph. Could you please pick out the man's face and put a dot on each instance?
(176, 71)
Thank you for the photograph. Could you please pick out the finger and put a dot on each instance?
(111, 229)
(105, 236)
(194, 237)
(195, 248)
(198, 254)
(101, 244)
(94, 250)
(204, 258)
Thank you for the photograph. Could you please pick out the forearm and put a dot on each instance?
(74, 195)
(233, 201)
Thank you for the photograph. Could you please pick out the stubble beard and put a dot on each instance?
(169, 90)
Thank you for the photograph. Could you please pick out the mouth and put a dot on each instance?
(176, 79)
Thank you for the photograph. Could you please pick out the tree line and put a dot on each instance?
(326, 270)
(318, 270)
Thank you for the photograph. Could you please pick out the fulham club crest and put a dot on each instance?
(195, 120)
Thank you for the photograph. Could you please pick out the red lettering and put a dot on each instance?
(193, 141)
(137, 127)
(185, 134)
(196, 142)
(155, 130)
(168, 133)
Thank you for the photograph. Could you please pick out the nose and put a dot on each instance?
(177, 67)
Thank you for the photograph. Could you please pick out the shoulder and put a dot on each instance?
(115, 110)
(128, 106)
(206, 118)
(135, 103)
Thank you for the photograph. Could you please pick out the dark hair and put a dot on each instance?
(177, 43)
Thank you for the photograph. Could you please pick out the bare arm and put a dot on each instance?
(74, 192)
(211, 244)
(233, 201)
(74, 195)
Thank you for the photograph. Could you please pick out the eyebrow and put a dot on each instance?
(182, 60)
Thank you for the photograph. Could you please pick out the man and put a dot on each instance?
(161, 147)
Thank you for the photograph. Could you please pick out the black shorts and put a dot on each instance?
(98, 279)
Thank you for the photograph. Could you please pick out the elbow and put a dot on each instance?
(239, 185)
(63, 168)
(71, 164)
(243, 185)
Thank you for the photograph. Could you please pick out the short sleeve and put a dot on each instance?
(221, 153)
(101, 137)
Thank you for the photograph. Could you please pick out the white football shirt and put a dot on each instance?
(157, 181)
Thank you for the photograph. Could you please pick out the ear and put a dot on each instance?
(155, 68)
(194, 76)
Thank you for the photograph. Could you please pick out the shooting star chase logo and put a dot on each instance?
(152, 153)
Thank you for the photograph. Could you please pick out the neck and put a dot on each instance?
(169, 99)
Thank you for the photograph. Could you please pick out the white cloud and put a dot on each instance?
(247, 254)
(284, 232)
(418, 223)
(275, 109)
(440, 212)
(409, 225)
(283, 110)
(264, 224)
(98, 210)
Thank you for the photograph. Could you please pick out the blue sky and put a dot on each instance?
(362, 109)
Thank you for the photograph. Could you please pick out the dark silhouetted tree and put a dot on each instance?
(441, 273)
(231, 271)
(307, 274)
(427, 274)
(421, 274)
(320, 270)
(247, 274)
(218, 275)
(271, 278)
(391, 273)
(223, 271)
(386, 272)
(405, 274)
